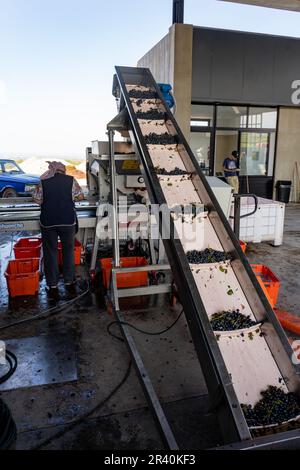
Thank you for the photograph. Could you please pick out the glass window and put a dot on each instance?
(254, 150)
(232, 116)
(202, 115)
(200, 145)
(226, 142)
(262, 118)
(11, 167)
(256, 147)
(200, 123)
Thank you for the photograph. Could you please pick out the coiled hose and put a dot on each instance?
(8, 429)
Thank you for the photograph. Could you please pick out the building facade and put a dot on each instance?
(235, 91)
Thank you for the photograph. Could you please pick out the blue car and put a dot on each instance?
(14, 182)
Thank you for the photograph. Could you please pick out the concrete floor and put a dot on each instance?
(124, 422)
(284, 260)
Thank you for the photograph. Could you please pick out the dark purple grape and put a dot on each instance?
(160, 139)
(151, 115)
(229, 321)
(275, 407)
(176, 171)
(144, 95)
(207, 256)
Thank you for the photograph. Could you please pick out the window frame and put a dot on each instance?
(214, 128)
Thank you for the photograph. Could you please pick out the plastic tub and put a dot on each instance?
(265, 225)
(127, 279)
(270, 281)
(27, 248)
(77, 253)
(22, 277)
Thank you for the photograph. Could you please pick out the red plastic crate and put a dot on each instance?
(125, 279)
(23, 277)
(77, 253)
(270, 281)
(27, 248)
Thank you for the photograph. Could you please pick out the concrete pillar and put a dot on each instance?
(170, 61)
(182, 74)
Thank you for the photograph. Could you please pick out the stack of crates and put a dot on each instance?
(23, 273)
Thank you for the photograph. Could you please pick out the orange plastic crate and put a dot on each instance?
(127, 279)
(243, 246)
(270, 281)
(22, 277)
(27, 248)
(77, 253)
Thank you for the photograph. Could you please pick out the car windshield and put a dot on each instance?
(11, 167)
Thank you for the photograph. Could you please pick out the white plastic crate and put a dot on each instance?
(265, 225)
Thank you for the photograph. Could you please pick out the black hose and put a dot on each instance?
(86, 415)
(149, 333)
(45, 313)
(13, 362)
(8, 430)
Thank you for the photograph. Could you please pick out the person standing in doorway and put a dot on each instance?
(56, 194)
(231, 171)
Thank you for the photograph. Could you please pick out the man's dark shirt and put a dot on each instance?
(229, 164)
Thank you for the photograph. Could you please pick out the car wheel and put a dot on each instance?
(9, 193)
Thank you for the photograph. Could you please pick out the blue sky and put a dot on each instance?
(58, 57)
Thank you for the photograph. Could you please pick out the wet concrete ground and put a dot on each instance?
(124, 421)
(284, 260)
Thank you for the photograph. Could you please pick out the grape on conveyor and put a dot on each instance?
(229, 321)
(176, 171)
(251, 366)
(144, 95)
(160, 139)
(275, 407)
(207, 256)
(151, 115)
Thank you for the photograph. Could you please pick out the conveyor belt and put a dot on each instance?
(238, 366)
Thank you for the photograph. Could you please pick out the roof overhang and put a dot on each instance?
(292, 5)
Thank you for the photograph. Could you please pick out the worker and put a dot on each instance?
(231, 171)
(56, 195)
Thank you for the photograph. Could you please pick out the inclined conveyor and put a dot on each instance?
(237, 365)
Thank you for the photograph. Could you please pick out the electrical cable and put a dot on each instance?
(9, 432)
(112, 393)
(86, 415)
(13, 363)
(45, 313)
(56, 309)
(8, 429)
(149, 333)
